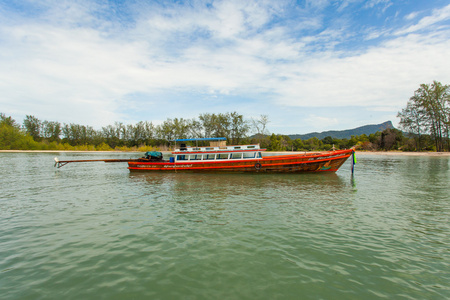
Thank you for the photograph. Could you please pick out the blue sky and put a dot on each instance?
(308, 65)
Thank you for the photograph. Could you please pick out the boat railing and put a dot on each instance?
(218, 148)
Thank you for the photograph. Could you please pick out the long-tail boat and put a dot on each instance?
(218, 157)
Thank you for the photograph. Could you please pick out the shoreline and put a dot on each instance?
(386, 153)
(398, 153)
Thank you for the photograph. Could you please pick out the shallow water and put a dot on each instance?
(97, 231)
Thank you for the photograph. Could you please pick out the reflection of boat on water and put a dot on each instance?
(267, 185)
(239, 158)
(236, 180)
(218, 157)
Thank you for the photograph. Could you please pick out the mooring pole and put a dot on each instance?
(353, 161)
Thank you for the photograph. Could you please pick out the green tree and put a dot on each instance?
(51, 131)
(76, 135)
(32, 127)
(207, 122)
(298, 145)
(139, 134)
(222, 126)
(391, 139)
(12, 138)
(275, 143)
(239, 127)
(166, 130)
(414, 121)
(313, 144)
(330, 142)
(429, 111)
(112, 138)
(9, 121)
(230, 125)
(327, 140)
(195, 129)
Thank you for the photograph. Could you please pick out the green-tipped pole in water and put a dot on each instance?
(353, 161)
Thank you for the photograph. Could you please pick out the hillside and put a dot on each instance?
(344, 134)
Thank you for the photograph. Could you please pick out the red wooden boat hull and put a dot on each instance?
(329, 161)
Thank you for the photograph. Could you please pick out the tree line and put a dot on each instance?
(425, 124)
(35, 134)
(50, 135)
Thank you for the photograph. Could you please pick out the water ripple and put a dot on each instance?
(98, 231)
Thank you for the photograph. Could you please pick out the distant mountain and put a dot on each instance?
(344, 134)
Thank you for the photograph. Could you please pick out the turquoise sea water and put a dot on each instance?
(97, 231)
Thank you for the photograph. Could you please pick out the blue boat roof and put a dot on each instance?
(202, 139)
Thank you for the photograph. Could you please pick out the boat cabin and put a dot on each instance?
(217, 150)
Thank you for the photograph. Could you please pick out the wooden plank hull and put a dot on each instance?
(329, 161)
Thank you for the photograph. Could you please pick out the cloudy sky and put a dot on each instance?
(309, 65)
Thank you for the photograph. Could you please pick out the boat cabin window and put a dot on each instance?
(195, 157)
(208, 156)
(222, 156)
(237, 147)
(181, 157)
(236, 155)
(249, 154)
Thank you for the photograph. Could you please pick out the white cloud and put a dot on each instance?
(75, 70)
(384, 3)
(437, 16)
(383, 76)
(317, 4)
(90, 67)
(412, 15)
